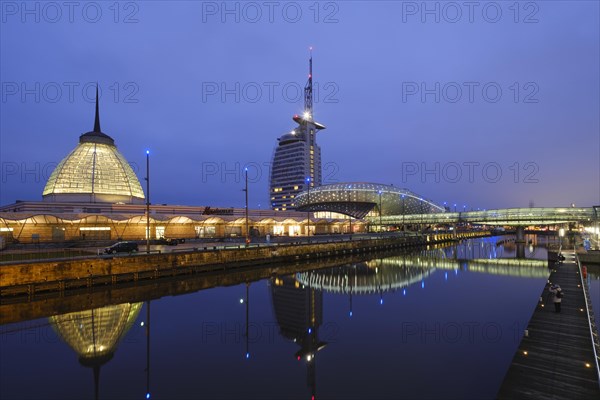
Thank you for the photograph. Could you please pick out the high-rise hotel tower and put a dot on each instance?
(297, 158)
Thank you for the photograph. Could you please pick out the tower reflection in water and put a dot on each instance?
(298, 300)
(299, 313)
(94, 334)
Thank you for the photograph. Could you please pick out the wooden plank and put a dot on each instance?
(556, 360)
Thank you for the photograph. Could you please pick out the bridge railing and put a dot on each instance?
(508, 216)
(591, 321)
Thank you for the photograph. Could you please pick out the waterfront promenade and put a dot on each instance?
(27, 278)
(556, 359)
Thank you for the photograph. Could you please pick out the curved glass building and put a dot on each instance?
(357, 199)
(95, 171)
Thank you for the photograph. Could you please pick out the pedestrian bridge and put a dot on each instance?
(505, 216)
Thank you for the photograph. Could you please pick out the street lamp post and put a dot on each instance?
(147, 201)
(422, 212)
(350, 216)
(246, 190)
(380, 224)
(403, 212)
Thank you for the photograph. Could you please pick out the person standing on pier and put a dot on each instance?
(557, 296)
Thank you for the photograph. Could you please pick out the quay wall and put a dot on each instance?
(59, 274)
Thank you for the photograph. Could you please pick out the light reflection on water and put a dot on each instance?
(441, 323)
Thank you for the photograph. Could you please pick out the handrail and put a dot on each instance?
(591, 321)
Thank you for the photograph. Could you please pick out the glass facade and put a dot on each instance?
(357, 199)
(296, 162)
(97, 170)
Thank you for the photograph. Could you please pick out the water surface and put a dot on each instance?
(438, 323)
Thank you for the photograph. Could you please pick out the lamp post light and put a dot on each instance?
(308, 211)
(350, 216)
(403, 212)
(246, 190)
(147, 201)
(454, 207)
(422, 212)
(380, 224)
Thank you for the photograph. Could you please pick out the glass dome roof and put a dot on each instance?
(94, 171)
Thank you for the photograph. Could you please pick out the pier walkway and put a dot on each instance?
(556, 360)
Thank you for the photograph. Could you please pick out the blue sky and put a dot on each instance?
(491, 106)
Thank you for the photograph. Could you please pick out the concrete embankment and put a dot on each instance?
(58, 275)
(14, 309)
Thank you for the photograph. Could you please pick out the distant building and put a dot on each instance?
(297, 157)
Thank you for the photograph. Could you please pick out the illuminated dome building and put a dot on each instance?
(93, 172)
(357, 199)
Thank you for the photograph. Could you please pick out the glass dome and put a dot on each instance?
(94, 171)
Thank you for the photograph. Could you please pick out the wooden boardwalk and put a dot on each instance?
(556, 360)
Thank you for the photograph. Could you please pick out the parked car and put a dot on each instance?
(172, 242)
(122, 247)
(168, 241)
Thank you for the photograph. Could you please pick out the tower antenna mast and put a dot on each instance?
(308, 89)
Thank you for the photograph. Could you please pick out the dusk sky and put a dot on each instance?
(488, 104)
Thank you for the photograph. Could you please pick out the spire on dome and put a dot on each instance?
(97, 120)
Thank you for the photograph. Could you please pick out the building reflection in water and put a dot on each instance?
(371, 277)
(298, 299)
(94, 334)
(299, 313)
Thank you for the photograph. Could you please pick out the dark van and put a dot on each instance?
(122, 247)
